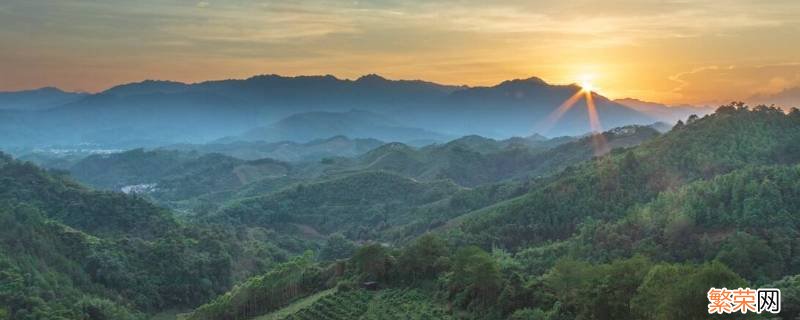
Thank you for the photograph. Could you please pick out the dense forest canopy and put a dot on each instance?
(475, 228)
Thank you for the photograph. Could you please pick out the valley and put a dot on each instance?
(472, 228)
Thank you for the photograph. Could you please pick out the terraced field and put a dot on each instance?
(365, 305)
(406, 304)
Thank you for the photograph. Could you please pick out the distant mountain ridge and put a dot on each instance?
(336, 146)
(304, 127)
(471, 161)
(664, 112)
(37, 99)
(153, 113)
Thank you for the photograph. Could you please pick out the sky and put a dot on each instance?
(697, 52)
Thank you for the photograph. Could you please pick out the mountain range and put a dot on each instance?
(37, 99)
(664, 112)
(269, 108)
(308, 126)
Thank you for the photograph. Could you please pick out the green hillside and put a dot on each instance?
(102, 213)
(607, 187)
(67, 252)
(116, 170)
(472, 160)
(180, 179)
(365, 305)
(359, 205)
(530, 231)
(640, 233)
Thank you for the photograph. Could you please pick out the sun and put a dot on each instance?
(587, 86)
(586, 93)
(586, 83)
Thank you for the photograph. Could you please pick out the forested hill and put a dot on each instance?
(99, 213)
(607, 187)
(191, 181)
(336, 146)
(174, 175)
(473, 160)
(67, 252)
(640, 233)
(359, 205)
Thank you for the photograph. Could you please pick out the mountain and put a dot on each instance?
(169, 176)
(669, 114)
(304, 127)
(39, 99)
(359, 205)
(66, 201)
(147, 87)
(149, 119)
(116, 170)
(523, 106)
(154, 113)
(21, 123)
(473, 160)
(661, 126)
(336, 146)
(652, 219)
(69, 252)
(197, 178)
(730, 139)
(709, 204)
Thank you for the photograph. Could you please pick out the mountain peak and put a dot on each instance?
(37, 99)
(42, 90)
(529, 81)
(50, 89)
(146, 87)
(371, 78)
(277, 77)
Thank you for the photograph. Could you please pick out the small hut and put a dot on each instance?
(370, 285)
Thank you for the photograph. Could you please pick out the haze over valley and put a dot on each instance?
(301, 109)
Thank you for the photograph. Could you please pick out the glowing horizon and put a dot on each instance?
(700, 52)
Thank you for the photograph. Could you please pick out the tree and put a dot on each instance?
(372, 262)
(678, 291)
(790, 295)
(337, 247)
(751, 257)
(602, 291)
(794, 113)
(475, 278)
(424, 258)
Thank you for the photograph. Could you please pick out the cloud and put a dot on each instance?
(786, 98)
(683, 83)
(713, 84)
(653, 43)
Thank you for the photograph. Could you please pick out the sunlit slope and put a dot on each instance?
(606, 188)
